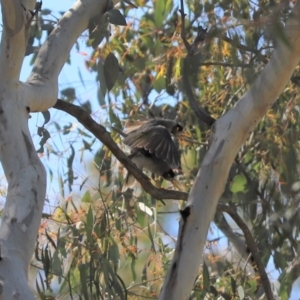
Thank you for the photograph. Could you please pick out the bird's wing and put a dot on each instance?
(157, 140)
(132, 127)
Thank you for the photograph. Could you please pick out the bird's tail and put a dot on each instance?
(128, 183)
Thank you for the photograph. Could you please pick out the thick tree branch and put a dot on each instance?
(228, 134)
(16, 19)
(55, 51)
(103, 135)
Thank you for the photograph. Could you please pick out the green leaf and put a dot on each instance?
(132, 267)
(159, 84)
(116, 18)
(44, 133)
(56, 264)
(206, 280)
(114, 255)
(111, 70)
(87, 197)
(70, 168)
(97, 30)
(46, 115)
(241, 292)
(101, 78)
(151, 238)
(159, 7)
(45, 12)
(68, 94)
(46, 261)
(89, 225)
(233, 285)
(279, 260)
(238, 184)
(83, 280)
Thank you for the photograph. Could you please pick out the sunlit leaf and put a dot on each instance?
(87, 197)
(238, 184)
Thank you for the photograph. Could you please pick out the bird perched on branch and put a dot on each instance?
(153, 148)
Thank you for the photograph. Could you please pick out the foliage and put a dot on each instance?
(112, 245)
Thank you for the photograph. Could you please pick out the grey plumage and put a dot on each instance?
(155, 136)
(150, 162)
(153, 148)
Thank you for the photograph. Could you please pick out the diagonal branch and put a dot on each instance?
(103, 135)
(228, 135)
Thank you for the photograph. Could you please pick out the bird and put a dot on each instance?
(153, 148)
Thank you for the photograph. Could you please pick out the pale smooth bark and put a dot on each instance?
(228, 134)
(24, 172)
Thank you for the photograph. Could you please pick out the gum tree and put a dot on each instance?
(24, 172)
(222, 68)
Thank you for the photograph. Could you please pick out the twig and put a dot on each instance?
(183, 36)
(244, 48)
(216, 63)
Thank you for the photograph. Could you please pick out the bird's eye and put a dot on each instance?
(179, 128)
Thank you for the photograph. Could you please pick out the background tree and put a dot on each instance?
(158, 61)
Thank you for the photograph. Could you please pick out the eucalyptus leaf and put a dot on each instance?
(111, 70)
(115, 17)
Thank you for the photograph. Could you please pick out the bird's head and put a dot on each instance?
(169, 175)
(177, 128)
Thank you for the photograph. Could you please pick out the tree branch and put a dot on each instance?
(199, 111)
(15, 18)
(244, 48)
(55, 51)
(228, 134)
(103, 135)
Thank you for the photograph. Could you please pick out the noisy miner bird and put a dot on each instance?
(153, 148)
